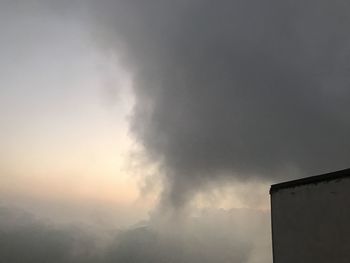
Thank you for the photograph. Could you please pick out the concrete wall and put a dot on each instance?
(311, 223)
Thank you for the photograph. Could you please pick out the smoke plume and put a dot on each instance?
(213, 236)
(234, 89)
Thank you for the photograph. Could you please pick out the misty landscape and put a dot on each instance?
(150, 131)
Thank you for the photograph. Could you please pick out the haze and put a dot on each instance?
(150, 131)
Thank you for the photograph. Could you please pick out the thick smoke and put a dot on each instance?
(24, 238)
(242, 88)
(213, 236)
(184, 116)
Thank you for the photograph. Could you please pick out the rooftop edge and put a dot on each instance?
(311, 180)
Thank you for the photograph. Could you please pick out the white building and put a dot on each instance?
(311, 219)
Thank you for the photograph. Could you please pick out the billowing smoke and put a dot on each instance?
(230, 90)
(24, 238)
(234, 89)
(213, 236)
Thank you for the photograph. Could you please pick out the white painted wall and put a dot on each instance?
(311, 223)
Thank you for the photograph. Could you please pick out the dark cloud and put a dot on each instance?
(242, 88)
(213, 236)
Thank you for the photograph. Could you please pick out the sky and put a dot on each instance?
(161, 124)
(64, 129)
